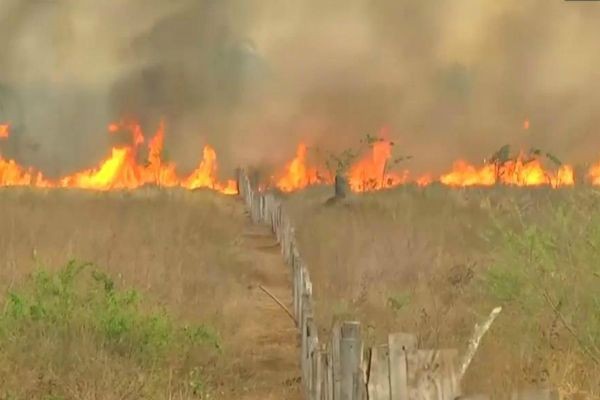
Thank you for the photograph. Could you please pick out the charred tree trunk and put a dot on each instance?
(341, 190)
(341, 186)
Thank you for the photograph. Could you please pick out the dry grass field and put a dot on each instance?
(435, 261)
(168, 308)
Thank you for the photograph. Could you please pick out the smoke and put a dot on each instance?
(450, 78)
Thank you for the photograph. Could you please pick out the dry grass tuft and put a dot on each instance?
(164, 310)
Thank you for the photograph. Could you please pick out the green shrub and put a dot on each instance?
(80, 299)
(545, 265)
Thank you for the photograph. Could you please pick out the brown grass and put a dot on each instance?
(185, 252)
(436, 261)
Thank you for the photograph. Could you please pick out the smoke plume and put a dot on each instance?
(450, 78)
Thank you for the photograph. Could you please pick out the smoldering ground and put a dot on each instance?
(452, 78)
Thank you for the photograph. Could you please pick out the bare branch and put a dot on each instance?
(478, 333)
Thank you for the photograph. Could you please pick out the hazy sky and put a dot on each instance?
(451, 78)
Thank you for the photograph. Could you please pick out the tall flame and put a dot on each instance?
(205, 175)
(297, 173)
(121, 169)
(373, 171)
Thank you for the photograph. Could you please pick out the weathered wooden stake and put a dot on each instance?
(351, 349)
(379, 374)
(399, 344)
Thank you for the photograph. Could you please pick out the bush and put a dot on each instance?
(545, 264)
(81, 303)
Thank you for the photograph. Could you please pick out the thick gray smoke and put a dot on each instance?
(451, 78)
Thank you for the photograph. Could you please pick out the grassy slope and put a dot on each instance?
(182, 274)
(436, 261)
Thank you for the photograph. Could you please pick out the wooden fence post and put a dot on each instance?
(379, 373)
(399, 344)
(316, 368)
(295, 288)
(336, 379)
(329, 384)
(351, 349)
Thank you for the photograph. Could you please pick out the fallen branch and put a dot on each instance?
(478, 333)
(283, 307)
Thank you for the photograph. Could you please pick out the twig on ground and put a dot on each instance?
(478, 333)
(593, 356)
(283, 307)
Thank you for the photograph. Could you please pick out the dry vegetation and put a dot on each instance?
(168, 307)
(435, 261)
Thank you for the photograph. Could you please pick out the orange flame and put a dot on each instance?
(594, 174)
(157, 171)
(298, 174)
(4, 131)
(11, 173)
(465, 174)
(205, 175)
(516, 173)
(371, 172)
(122, 171)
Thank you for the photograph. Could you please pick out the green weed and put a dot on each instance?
(545, 265)
(398, 301)
(80, 301)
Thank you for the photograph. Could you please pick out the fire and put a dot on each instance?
(121, 169)
(371, 172)
(424, 180)
(374, 170)
(4, 131)
(465, 174)
(11, 173)
(519, 172)
(117, 172)
(297, 174)
(157, 171)
(205, 175)
(594, 174)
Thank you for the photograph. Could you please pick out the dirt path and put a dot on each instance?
(271, 355)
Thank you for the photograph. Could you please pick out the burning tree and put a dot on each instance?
(527, 168)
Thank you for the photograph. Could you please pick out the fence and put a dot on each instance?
(341, 369)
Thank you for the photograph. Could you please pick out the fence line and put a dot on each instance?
(341, 369)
